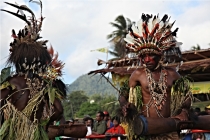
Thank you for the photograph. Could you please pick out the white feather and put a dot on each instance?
(128, 36)
(135, 30)
(161, 24)
(21, 11)
(139, 25)
(128, 41)
(150, 25)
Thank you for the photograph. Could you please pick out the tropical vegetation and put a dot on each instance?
(121, 24)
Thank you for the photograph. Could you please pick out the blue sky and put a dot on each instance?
(74, 27)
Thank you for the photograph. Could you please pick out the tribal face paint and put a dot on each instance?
(150, 60)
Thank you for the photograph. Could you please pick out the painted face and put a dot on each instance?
(150, 60)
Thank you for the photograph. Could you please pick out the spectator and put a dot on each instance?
(206, 112)
(117, 129)
(197, 136)
(108, 120)
(207, 109)
(99, 126)
(70, 122)
(197, 110)
(89, 122)
(85, 118)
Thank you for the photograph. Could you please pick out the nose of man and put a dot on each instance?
(147, 59)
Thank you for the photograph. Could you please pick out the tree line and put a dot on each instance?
(78, 104)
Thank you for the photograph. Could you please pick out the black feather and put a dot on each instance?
(154, 18)
(143, 17)
(20, 7)
(14, 5)
(19, 34)
(23, 33)
(147, 18)
(13, 32)
(19, 16)
(174, 32)
(164, 18)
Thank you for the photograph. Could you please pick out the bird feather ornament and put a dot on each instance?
(56, 64)
(151, 33)
(33, 27)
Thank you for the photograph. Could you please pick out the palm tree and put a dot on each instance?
(194, 48)
(116, 37)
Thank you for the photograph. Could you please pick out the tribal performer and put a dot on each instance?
(164, 93)
(31, 98)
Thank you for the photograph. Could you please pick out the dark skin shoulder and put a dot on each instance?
(135, 76)
(19, 97)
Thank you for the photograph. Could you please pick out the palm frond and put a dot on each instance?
(121, 20)
(117, 26)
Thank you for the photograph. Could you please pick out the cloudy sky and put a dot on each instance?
(74, 27)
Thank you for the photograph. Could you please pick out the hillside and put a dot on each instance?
(91, 85)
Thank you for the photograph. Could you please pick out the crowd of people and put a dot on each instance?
(31, 99)
(103, 124)
(112, 128)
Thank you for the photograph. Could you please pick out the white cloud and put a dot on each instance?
(75, 27)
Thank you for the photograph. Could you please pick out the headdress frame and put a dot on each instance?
(152, 35)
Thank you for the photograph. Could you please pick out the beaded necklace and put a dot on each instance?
(157, 89)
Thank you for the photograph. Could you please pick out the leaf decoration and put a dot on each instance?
(5, 73)
(44, 122)
(5, 128)
(51, 94)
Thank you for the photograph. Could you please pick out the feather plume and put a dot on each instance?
(22, 7)
(19, 16)
(152, 35)
(135, 30)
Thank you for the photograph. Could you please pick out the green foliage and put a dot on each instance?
(121, 24)
(72, 103)
(5, 73)
(87, 108)
(182, 85)
(92, 85)
(193, 48)
(110, 104)
(106, 102)
(99, 103)
(96, 88)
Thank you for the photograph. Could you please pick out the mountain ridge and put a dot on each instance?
(92, 85)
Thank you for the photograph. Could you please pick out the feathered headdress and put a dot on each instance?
(27, 52)
(152, 35)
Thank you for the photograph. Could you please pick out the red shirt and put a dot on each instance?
(116, 130)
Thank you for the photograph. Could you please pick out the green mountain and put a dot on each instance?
(92, 85)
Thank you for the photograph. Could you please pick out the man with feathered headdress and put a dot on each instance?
(152, 40)
(31, 98)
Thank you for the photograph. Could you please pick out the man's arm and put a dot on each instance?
(3, 95)
(58, 112)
